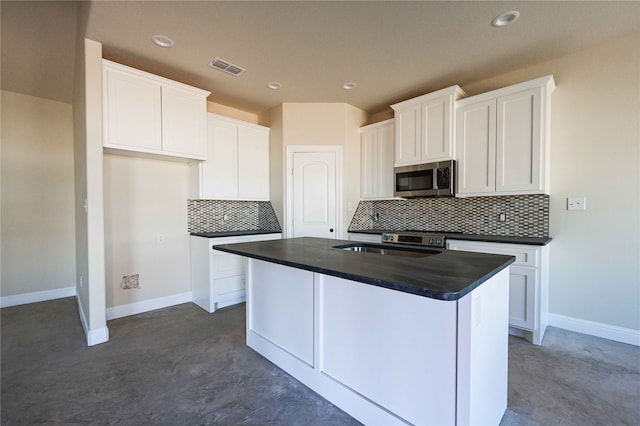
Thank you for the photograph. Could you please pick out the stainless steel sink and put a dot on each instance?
(388, 251)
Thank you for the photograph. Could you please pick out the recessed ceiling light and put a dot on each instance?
(505, 19)
(348, 86)
(274, 85)
(162, 40)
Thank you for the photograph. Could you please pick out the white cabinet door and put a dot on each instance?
(376, 179)
(253, 163)
(436, 130)
(369, 164)
(522, 297)
(408, 135)
(184, 123)
(219, 174)
(132, 111)
(476, 147)
(518, 142)
(280, 308)
(368, 359)
(385, 160)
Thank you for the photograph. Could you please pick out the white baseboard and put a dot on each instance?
(611, 332)
(148, 305)
(94, 337)
(36, 296)
(98, 336)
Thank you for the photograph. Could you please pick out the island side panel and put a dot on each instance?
(396, 349)
(262, 275)
(483, 347)
(280, 310)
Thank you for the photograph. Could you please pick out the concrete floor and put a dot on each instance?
(182, 366)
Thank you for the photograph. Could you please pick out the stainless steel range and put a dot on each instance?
(419, 238)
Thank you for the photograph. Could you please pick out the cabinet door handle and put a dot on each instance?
(330, 229)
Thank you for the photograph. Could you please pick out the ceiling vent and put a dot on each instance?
(228, 67)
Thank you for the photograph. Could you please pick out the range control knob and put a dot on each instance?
(430, 240)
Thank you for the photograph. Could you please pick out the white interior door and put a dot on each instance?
(314, 194)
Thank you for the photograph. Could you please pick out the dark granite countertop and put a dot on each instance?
(477, 237)
(232, 233)
(447, 275)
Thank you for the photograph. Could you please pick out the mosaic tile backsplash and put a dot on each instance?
(526, 215)
(209, 216)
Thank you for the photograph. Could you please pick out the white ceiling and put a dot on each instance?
(392, 50)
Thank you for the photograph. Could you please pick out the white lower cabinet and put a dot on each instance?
(218, 278)
(528, 284)
(385, 357)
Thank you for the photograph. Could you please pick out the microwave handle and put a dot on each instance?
(434, 176)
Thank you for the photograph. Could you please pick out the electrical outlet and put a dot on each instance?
(502, 217)
(576, 203)
(225, 217)
(160, 238)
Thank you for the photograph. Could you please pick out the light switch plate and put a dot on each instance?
(576, 203)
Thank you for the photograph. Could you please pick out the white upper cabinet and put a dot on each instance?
(237, 167)
(425, 127)
(253, 163)
(503, 140)
(152, 115)
(377, 160)
(408, 135)
(476, 158)
(520, 164)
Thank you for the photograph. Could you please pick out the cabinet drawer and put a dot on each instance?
(226, 264)
(227, 285)
(525, 255)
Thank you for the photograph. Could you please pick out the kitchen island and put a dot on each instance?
(388, 339)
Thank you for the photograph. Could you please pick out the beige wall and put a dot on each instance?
(273, 119)
(595, 152)
(232, 112)
(317, 124)
(38, 243)
(88, 186)
(144, 198)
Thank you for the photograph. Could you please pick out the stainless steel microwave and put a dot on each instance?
(425, 180)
